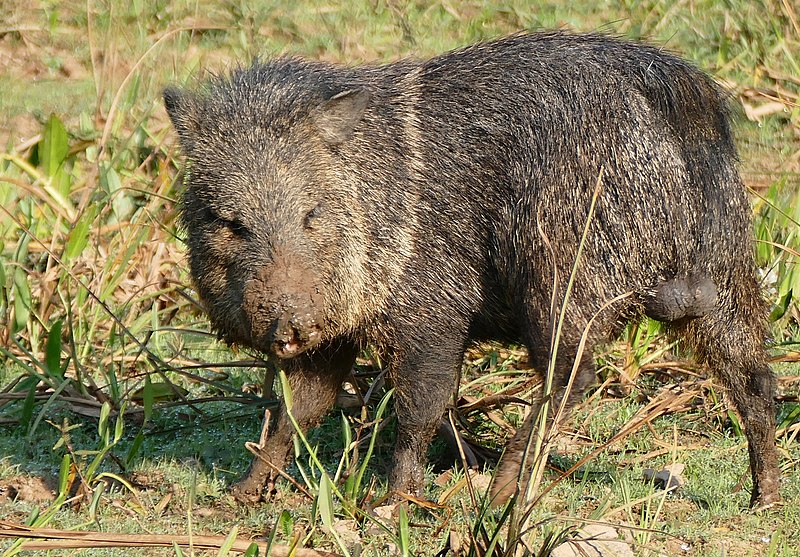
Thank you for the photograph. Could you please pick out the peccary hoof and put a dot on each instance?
(767, 501)
(251, 490)
(244, 492)
(765, 495)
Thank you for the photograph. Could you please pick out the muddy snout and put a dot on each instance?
(283, 323)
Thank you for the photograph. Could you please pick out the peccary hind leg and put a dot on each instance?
(514, 461)
(315, 379)
(730, 341)
(729, 338)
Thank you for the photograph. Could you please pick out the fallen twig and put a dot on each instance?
(50, 539)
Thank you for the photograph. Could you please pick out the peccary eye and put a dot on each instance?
(234, 224)
(308, 220)
(237, 227)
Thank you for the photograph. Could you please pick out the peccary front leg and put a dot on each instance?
(315, 378)
(424, 383)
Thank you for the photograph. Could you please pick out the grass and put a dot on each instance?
(98, 321)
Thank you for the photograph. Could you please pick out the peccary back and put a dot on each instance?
(419, 205)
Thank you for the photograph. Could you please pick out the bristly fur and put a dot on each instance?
(411, 205)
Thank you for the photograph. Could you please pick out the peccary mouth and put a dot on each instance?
(288, 340)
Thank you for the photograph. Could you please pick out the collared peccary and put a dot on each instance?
(420, 205)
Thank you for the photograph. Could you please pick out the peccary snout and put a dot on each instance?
(281, 312)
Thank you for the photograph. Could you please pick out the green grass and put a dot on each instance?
(94, 295)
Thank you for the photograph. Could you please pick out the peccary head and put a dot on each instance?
(267, 217)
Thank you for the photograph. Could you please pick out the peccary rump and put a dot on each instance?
(419, 205)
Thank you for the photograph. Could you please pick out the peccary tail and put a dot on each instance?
(679, 298)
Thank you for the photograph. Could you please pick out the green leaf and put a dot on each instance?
(226, 546)
(113, 383)
(27, 406)
(405, 532)
(97, 493)
(119, 426)
(347, 433)
(133, 451)
(325, 507)
(157, 391)
(347, 438)
(102, 424)
(252, 550)
(177, 549)
(781, 307)
(52, 352)
(22, 299)
(54, 148)
(286, 523)
(86, 126)
(274, 533)
(53, 151)
(325, 501)
(32, 518)
(148, 398)
(109, 179)
(121, 203)
(63, 476)
(79, 235)
(737, 427)
(789, 415)
(286, 390)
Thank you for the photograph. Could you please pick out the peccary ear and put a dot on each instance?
(336, 118)
(181, 107)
